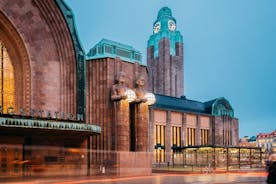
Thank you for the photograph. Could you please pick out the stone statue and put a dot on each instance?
(139, 90)
(119, 88)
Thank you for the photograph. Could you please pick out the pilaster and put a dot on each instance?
(167, 137)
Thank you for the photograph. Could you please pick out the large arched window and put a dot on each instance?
(7, 91)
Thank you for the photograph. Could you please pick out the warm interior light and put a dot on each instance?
(130, 95)
(150, 98)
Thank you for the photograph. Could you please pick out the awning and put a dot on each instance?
(9, 122)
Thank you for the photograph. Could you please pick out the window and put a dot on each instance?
(175, 137)
(159, 143)
(123, 53)
(7, 91)
(204, 134)
(137, 57)
(108, 49)
(190, 136)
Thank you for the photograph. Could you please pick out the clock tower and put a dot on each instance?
(165, 56)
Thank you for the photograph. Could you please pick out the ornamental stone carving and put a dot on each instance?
(119, 89)
(139, 90)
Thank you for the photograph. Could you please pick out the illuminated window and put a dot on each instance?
(176, 136)
(190, 136)
(7, 92)
(204, 133)
(159, 142)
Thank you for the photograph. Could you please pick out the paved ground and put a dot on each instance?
(223, 178)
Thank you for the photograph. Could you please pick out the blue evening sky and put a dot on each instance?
(229, 47)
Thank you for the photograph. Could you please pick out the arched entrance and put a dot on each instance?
(19, 60)
(15, 85)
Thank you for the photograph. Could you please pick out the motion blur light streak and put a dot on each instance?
(187, 178)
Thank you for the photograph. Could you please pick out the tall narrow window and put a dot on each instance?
(7, 91)
(159, 143)
(176, 137)
(190, 136)
(204, 136)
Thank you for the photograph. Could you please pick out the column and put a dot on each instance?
(142, 128)
(122, 125)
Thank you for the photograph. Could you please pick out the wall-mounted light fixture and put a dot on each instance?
(150, 98)
(130, 95)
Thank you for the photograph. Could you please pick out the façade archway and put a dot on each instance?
(20, 61)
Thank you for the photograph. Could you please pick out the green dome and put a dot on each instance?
(164, 12)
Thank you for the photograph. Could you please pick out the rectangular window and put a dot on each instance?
(137, 57)
(108, 49)
(123, 53)
(94, 51)
(190, 136)
(100, 50)
(204, 134)
(159, 140)
(176, 136)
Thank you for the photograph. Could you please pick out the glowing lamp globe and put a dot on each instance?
(150, 98)
(130, 95)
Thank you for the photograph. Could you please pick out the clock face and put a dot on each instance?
(171, 25)
(156, 27)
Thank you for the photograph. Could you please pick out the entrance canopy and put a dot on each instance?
(44, 124)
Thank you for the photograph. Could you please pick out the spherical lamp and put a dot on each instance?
(150, 98)
(130, 95)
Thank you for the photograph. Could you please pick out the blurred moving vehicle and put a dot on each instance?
(270, 160)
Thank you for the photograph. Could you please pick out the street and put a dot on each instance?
(222, 178)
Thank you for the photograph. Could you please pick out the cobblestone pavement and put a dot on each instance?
(223, 178)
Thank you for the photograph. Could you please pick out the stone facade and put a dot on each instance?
(166, 71)
(41, 49)
(124, 125)
(185, 120)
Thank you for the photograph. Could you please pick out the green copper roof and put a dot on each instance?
(164, 12)
(79, 54)
(179, 104)
(163, 29)
(216, 107)
(221, 107)
(108, 48)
